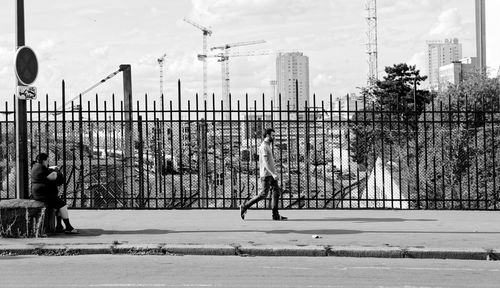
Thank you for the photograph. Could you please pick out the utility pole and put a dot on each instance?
(21, 118)
(129, 137)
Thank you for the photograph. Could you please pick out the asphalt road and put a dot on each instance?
(228, 271)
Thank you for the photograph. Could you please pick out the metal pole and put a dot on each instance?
(129, 138)
(21, 119)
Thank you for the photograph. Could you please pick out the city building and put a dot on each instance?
(292, 68)
(457, 71)
(441, 53)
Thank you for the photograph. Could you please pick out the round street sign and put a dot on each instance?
(26, 65)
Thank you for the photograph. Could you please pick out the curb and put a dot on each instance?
(268, 251)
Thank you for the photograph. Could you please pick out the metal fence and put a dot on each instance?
(350, 155)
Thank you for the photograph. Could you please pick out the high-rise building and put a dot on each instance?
(440, 53)
(292, 67)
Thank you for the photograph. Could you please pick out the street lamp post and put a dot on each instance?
(21, 119)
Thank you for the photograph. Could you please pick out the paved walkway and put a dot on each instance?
(381, 233)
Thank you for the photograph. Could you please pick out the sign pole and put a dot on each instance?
(21, 119)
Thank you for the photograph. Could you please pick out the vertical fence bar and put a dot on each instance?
(140, 152)
(442, 128)
(145, 182)
(172, 172)
(247, 134)
(157, 158)
(494, 191)
(73, 154)
(231, 155)
(47, 123)
(222, 177)
(331, 150)
(163, 149)
(348, 151)
(115, 155)
(323, 152)
(124, 159)
(204, 152)
(315, 153)
(450, 126)
(98, 144)
(7, 150)
(476, 158)
(181, 171)
(358, 185)
(459, 126)
(299, 171)
(80, 135)
(64, 167)
(307, 156)
(485, 157)
(467, 129)
(215, 171)
(256, 145)
(190, 155)
(240, 200)
(198, 151)
(434, 188)
(91, 154)
(109, 180)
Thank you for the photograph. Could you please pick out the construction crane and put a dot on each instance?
(206, 32)
(161, 61)
(224, 60)
(372, 46)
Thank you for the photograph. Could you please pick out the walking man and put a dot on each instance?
(268, 178)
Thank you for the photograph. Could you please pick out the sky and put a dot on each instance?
(84, 41)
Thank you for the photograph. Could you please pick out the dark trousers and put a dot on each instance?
(266, 184)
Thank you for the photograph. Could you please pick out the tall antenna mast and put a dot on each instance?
(161, 61)
(371, 46)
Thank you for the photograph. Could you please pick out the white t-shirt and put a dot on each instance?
(266, 153)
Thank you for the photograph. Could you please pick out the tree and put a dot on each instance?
(394, 105)
(460, 158)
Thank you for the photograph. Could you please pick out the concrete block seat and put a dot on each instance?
(24, 218)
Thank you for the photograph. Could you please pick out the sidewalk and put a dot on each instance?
(409, 234)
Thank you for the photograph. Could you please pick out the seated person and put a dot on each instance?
(44, 182)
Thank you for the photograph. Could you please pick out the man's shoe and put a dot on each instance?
(243, 211)
(280, 218)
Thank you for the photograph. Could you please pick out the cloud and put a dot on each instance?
(45, 49)
(449, 24)
(100, 51)
(419, 59)
(228, 10)
(89, 12)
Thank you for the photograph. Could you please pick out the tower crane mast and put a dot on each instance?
(371, 46)
(224, 60)
(161, 62)
(206, 32)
